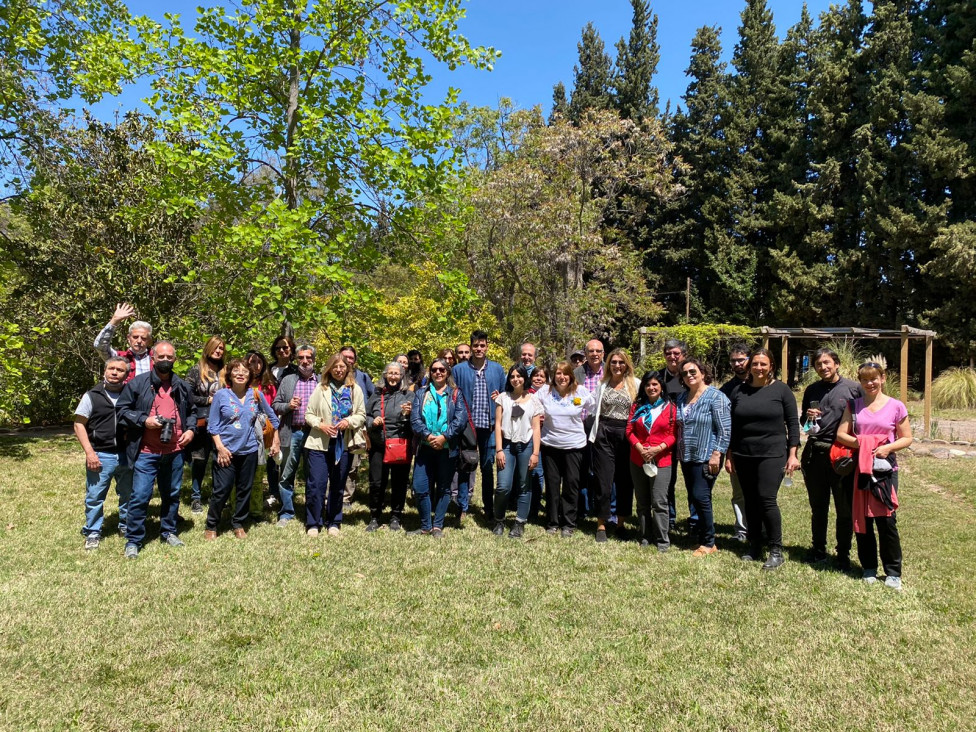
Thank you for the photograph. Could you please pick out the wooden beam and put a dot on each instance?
(784, 360)
(928, 385)
(904, 365)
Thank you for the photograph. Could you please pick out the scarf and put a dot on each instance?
(435, 411)
(644, 411)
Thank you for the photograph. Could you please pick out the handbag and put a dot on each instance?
(268, 430)
(396, 450)
(841, 456)
(468, 457)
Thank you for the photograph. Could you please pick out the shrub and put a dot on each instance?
(955, 389)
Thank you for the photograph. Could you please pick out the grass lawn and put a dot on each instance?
(382, 631)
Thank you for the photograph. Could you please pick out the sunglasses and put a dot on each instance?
(690, 372)
(438, 370)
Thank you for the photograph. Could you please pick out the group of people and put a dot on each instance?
(586, 435)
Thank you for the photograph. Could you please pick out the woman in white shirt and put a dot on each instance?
(517, 419)
(563, 441)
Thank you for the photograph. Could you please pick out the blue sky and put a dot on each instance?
(537, 39)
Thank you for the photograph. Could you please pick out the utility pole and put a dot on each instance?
(688, 300)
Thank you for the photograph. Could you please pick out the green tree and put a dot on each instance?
(309, 136)
(560, 106)
(637, 60)
(592, 76)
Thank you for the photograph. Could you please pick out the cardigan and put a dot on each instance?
(662, 431)
(318, 414)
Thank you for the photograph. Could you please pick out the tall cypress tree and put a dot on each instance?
(560, 107)
(637, 60)
(592, 76)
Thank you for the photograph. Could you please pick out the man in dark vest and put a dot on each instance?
(100, 434)
(159, 415)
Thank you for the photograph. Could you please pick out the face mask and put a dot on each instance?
(218, 362)
(164, 367)
(305, 371)
(414, 367)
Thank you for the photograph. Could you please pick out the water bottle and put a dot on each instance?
(787, 480)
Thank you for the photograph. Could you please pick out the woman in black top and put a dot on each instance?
(765, 436)
(390, 403)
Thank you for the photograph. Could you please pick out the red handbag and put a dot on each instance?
(396, 450)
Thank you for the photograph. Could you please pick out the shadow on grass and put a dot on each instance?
(16, 448)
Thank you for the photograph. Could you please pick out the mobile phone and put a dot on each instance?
(814, 404)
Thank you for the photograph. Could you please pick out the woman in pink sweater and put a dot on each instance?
(650, 431)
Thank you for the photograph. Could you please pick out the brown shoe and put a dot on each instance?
(209, 535)
(705, 550)
(240, 533)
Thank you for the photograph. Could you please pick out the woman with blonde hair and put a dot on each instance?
(336, 412)
(205, 377)
(609, 446)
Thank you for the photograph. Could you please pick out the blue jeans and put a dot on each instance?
(167, 471)
(672, 513)
(432, 475)
(291, 456)
(97, 483)
(486, 454)
(516, 471)
(326, 482)
(700, 484)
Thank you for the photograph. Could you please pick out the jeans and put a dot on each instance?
(516, 471)
(537, 479)
(167, 471)
(291, 455)
(700, 483)
(822, 482)
(672, 511)
(327, 475)
(239, 477)
(97, 483)
(379, 474)
(432, 474)
(562, 466)
(652, 504)
(486, 454)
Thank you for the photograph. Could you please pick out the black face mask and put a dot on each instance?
(164, 367)
(216, 362)
(414, 367)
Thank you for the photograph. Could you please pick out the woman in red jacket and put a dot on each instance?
(650, 431)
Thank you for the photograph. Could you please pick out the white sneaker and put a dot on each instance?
(312, 532)
(893, 582)
(870, 576)
(333, 531)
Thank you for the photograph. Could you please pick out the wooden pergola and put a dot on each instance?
(906, 334)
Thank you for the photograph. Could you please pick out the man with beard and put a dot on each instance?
(462, 352)
(101, 436)
(822, 408)
(739, 361)
(137, 356)
(160, 417)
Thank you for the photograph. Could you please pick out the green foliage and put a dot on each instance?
(592, 76)
(708, 342)
(955, 389)
(637, 57)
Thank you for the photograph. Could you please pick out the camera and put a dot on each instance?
(166, 433)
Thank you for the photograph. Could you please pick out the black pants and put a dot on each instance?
(611, 466)
(240, 475)
(822, 482)
(888, 540)
(760, 478)
(561, 467)
(379, 473)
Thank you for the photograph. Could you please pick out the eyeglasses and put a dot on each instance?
(690, 372)
(438, 370)
(283, 348)
(673, 352)
(739, 360)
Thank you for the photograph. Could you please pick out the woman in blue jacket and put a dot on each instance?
(438, 418)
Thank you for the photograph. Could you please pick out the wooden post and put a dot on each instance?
(765, 335)
(784, 361)
(688, 300)
(928, 385)
(643, 349)
(904, 365)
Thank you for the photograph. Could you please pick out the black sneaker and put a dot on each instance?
(394, 524)
(196, 506)
(844, 564)
(817, 557)
(644, 543)
(499, 529)
(437, 533)
(601, 536)
(774, 561)
(419, 532)
(518, 529)
(373, 525)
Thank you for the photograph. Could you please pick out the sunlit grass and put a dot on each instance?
(383, 631)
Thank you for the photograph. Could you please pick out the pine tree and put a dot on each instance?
(560, 107)
(592, 76)
(637, 59)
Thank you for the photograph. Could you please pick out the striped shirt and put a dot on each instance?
(705, 426)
